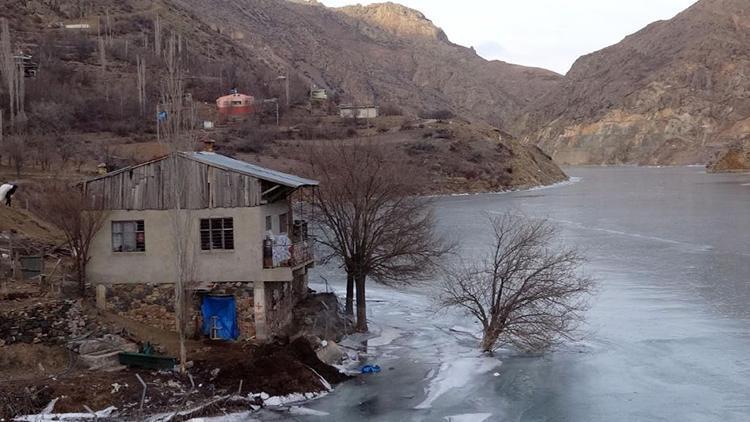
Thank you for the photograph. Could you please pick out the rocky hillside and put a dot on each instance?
(383, 54)
(676, 92)
(83, 103)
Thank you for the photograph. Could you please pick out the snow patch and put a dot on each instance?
(457, 373)
(386, 337)
(277, 401)
(468, 417)
(303, 411)
(234, 417)
(67, 416)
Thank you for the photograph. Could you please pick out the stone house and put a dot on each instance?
(358, 112)
(248, 255)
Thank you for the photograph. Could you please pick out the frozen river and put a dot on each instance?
(668, 333)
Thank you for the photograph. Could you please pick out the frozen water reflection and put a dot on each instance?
(668, 335)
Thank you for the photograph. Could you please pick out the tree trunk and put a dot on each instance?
(349, 293)
(361, 304)
(81, 276)
(489, 339)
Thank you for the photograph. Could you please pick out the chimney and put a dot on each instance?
(101, 168)
(208, 145)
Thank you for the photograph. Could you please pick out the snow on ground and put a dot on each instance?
(468, 417)
(303, 411)
(235, 417)
(456, 372)
(386, 337)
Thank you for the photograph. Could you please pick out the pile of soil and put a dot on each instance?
(277, 369)
(30, 361)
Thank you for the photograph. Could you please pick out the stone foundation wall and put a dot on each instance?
(299, 286)
(153, 305)
(280, 301)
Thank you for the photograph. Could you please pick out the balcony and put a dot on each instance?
(287, 255)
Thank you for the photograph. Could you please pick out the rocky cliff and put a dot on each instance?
(676, 92)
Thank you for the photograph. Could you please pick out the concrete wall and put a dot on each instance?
(359, 113)
(157, 264)
(274, 211)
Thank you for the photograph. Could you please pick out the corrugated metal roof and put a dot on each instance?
(230, 164)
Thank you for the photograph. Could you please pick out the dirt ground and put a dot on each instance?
(32, 374)
(219, 369)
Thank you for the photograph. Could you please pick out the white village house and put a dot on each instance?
(250, 255)
(358, 111)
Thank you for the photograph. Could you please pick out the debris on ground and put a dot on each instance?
(370, 369)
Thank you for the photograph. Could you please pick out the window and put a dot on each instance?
(217, 234)
(269, 223)
(128, 236)
(284, 223)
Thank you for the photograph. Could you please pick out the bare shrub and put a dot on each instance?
(437, 114)
(67, 208)
(390, 109)
(421, 147)
(17, 151)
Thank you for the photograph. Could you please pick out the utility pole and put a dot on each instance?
(285, 78)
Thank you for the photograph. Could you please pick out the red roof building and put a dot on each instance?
(236, 105)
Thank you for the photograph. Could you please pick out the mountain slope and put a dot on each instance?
(676, 92)
(386, 54)
(382, 53)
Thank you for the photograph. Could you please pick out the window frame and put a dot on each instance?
(216, 234)
(284, 223)
(138, 246)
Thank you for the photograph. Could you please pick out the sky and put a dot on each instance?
(550, 34)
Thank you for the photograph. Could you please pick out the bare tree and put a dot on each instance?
(65, 150)
(371, 219)
(103, 64)
(176, 134)
(157, 35)
(8, 68)
(526, 292)
(69, 210)
(17, 151)
(141, 84)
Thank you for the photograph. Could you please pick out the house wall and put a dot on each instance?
(157, 264)
(274, 211)
(151, 186)
(359, 113)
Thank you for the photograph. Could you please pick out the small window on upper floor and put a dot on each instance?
(284, 223)
(269, 223)
(128, 236)
(217, 234)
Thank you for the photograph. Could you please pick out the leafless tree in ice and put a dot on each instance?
(526, 291)
(372, 219)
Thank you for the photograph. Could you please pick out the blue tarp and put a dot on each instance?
(225, 309)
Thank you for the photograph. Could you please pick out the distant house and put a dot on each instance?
(358, 112)
(251, 255)
(235, 106)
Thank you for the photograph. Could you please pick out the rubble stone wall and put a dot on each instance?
(153, 305)
(280, 301)
(54, 322)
